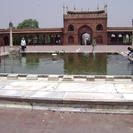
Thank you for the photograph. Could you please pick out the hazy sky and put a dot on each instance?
(49, 13)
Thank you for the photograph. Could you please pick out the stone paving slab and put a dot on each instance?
(29, 85)
(13, 93)
(93, 96)
(67, 91)
(124, 88)
(85, 87)
(128, 97)
(48, 95)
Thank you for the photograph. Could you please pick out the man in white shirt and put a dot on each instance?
(23, 44)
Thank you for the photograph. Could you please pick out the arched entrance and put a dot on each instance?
(85, 39)
(6, 40)
(85, 35)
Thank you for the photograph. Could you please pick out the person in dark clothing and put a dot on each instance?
(130, 50)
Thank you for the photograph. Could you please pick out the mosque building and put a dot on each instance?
(80, 28)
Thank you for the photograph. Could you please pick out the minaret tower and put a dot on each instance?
(106, 8)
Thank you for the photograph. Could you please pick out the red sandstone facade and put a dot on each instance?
(93, 23)
(76, 24)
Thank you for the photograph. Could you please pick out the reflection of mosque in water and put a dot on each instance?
(85, 64)
(96, 64)
(32, 61)
(76, 64)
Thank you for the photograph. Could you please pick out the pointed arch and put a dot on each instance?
(99, 27)
(70, 27)
(82, 30)
(6, 40)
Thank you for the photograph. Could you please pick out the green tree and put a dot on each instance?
(28, 23)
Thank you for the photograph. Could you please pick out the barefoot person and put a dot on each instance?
(23, 44)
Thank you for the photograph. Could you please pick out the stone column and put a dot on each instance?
(105, 38)
(41, 39)
(54, 42)
(1, 41)
(46, 39)
(108, 38)
(132, 32)
(10, 26)
(76, 39)
(132, 38)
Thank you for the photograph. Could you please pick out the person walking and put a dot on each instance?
(23, 44)
(93, 44)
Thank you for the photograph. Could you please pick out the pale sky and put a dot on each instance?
(49, 13)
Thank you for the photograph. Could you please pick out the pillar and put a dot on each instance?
(10, 26)
(132, 38)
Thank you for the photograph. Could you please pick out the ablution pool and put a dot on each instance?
(67, 63)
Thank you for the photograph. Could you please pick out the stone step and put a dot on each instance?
(68, 102)
(56, 105)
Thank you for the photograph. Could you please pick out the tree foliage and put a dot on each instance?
(28, 23)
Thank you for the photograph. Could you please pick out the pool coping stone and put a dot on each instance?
(67, 77)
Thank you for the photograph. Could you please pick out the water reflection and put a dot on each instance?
(118, 65)
(11, 57)
(85, 64)
(32, 62)
(77, 64)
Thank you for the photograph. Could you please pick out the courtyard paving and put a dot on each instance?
(70, 49)
(78, 91)
(27, 121)
(68, 90)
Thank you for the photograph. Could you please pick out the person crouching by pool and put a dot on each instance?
(130, 50)
(23, 44)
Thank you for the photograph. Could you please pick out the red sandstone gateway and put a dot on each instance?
(77, 24)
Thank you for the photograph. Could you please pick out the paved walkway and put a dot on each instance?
(72, 49)
(79, 91)
(27, 121)
(78, 49)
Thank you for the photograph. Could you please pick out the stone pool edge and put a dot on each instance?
(10, 76)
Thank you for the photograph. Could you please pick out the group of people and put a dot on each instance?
(23, 44)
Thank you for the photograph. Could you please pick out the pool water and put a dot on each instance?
(73, 64)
